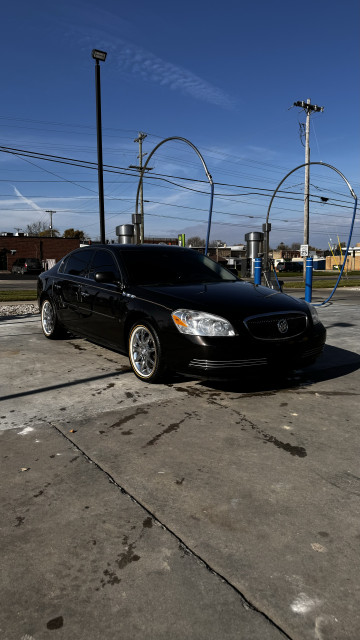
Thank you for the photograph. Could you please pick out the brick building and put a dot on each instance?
(13, 247)
(352, 262)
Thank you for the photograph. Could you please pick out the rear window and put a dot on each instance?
(77, 264)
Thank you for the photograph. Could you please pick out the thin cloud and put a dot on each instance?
(31, 203)
(138, 62)
(134, 61)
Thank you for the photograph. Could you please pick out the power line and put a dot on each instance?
(124, 171)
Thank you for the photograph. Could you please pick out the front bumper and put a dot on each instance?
(235, 355)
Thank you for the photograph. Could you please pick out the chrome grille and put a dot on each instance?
(277, 326)
(227, 364)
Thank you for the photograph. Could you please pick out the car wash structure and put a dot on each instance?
(267, 265)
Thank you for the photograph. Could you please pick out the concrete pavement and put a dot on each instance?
(188, 510)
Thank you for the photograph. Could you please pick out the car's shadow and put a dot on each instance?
(333, 363)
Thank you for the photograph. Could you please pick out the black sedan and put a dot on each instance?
(173, 309)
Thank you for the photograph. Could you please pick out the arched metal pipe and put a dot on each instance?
(207, 175)
(323, 164)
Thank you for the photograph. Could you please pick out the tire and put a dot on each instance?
(145, 353)
(49, 322)
(22, 271)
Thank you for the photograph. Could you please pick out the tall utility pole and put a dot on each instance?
(308, 108)
(140, 139)
(51, 215)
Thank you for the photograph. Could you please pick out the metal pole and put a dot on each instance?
(266, 230)
(141, 138)
(206, 171)
(308, 280)
(257, 271)
(307, 175)
(99, 152)
(324, 164)
(308, 108)
(51, 225)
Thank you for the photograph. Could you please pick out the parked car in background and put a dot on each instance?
(173, 309)
(290, 266)
(26, 265)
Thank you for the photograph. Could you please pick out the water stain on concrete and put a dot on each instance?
(55, 623)
(41, 491)
(147, 524)
(286, 446)
(112, 578)
(294, 450)
(126, 557)
(77, 346)
(126, 419)
(172, 427)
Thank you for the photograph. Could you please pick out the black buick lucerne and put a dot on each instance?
(173, 309)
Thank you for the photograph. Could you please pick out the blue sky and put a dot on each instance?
(224, 77)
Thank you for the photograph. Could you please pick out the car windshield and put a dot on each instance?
(175, 266)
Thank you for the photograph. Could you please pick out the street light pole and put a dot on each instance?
(99, 55)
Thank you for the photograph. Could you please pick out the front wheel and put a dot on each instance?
(49, 322)
(145, 353)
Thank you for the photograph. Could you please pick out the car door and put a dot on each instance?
(66, 288)
(102, 303)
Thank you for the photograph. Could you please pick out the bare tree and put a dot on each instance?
(39, 228)
(195, 241)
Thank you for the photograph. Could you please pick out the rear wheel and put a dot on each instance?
(145, 353)
(49, 322)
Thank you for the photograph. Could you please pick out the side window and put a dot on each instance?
(77, 263)
(104, 262)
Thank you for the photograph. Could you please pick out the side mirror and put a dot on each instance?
(107, 277)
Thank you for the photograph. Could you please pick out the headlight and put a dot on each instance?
(198, 323)
(314, 314)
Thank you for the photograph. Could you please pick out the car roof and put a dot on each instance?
(134, 247)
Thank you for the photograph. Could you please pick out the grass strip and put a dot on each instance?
(322, 284)
(18, 295)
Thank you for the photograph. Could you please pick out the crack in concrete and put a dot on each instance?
(182, 545)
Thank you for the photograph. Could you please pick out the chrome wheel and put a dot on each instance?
(144, 352)
(49, 321)
(47, 318)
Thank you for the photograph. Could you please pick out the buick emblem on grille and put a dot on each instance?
(283, 326)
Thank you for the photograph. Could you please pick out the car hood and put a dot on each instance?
(230, 299)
